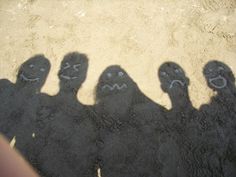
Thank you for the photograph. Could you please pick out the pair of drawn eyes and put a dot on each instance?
(163, 73)
(75, 67)
(41, 69)
(120, 74)
(220, 68)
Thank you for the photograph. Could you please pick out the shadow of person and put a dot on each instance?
(176, 151)
(20, 100)
(220, 116)
(116, 95)
(149, 119)
(70, 135)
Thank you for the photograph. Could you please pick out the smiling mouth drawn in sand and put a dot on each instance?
(176, 82)
(25, 78)
(115, 86)
(218, 82)
(68, 77)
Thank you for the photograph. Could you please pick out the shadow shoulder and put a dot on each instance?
(7, 89)
(204, 108)
(5, 83)
(91, 112)
(149, 107)
(45, 99)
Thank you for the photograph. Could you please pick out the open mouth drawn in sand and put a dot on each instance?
(218, 82)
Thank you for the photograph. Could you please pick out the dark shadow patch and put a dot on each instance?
(116, 96)
(178, 152)
(20, 100)
(218, 118)
(68, 131)
(125, 133)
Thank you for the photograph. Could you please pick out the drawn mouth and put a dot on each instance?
(114, 87)
(68, 77)
(179, 82)
(25, 78)
(218, 82)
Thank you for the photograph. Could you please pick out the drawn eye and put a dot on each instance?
(42, 69)
(109, 75)
(66, 66)
(177, 70)
(76, 67)
(163, 73)
(120, 74)
(31, 65)
(220, 68)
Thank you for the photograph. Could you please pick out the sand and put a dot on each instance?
(139, 35)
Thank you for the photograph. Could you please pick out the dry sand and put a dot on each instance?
(139, 35)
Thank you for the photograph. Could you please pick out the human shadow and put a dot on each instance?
(20, 101)
(178, 151)
(126, 122)
(116, 96)
(125, 133)
(149, 119)
(68, 131)
(219, 117)
(115, 88)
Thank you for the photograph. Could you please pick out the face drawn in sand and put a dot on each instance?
(172, 77)
(73, 71)
(218, 75)
(114, 81)
(34, 71)
(116, 95)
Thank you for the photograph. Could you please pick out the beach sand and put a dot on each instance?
(139, 35)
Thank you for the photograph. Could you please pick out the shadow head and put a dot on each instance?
(172, 77)
(218, 75)
(114, 80)
(34, 71)
(73, 71)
